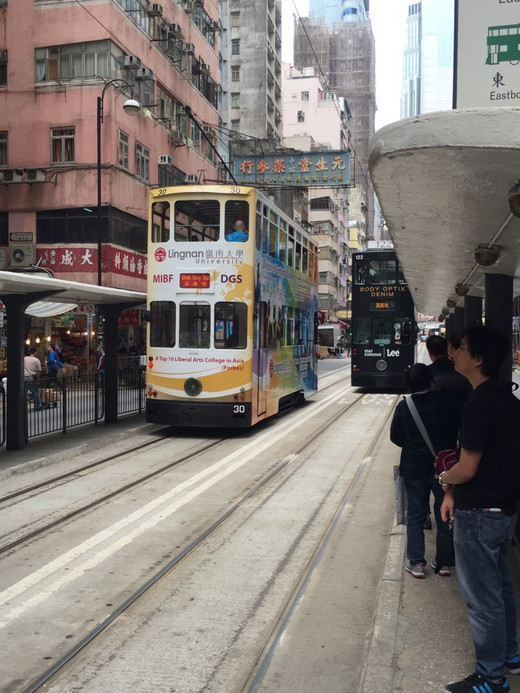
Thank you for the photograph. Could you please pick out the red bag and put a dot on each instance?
(445, 460)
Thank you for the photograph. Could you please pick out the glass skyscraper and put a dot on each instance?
(428, 58)
(331, 12)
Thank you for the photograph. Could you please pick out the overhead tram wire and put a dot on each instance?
(328, 89)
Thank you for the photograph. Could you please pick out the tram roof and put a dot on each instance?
(442, 180)
(63, 291)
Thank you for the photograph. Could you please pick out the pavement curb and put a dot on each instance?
(380, 662)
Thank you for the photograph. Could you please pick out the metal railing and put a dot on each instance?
(62, 403)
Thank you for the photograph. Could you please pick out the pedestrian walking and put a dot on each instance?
(32, 369)
(480, 500)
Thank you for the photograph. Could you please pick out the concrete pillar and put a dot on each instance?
(499, 311)
(459, 319)
(111, 343)
(15, 305)
(472, 310)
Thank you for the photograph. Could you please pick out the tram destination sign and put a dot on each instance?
(487, 69)
(305, 169)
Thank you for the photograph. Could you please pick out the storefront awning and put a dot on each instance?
(46, 309)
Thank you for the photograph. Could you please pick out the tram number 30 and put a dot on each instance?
(239, 410)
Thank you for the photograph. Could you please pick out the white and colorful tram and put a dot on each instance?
(233, 301)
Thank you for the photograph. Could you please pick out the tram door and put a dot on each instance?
(261, 369)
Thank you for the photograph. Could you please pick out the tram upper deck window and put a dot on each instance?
(382, 271)
(361, 272)
(273, 235)
(236, 221)
(160, 222)
(290, 247)
(230, 325)
(162, 324)
(194, 325)
(282, 241)
(197, 220)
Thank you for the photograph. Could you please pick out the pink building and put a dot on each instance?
(56, 58)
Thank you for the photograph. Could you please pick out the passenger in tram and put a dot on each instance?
(481, 501)
(445, 377)
(440, 415)
(239, 233)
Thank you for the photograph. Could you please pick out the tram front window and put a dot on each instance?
(194, 325)
(197, 220)
(230, 325)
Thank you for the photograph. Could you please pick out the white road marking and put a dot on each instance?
(217, 472)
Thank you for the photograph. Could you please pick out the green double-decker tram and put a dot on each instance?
(503, 44)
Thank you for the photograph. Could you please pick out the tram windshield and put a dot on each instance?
(382, 331)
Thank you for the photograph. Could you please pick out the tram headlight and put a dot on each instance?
(193, 387)
(381, 365)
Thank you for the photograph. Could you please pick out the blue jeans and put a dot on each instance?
(417, 509)
(481, 539)
(32, 386)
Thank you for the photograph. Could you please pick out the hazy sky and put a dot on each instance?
(388, 21)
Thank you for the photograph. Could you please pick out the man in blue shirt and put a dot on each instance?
(239, 233)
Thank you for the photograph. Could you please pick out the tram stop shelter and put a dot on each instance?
(449, 188)
(18, 291)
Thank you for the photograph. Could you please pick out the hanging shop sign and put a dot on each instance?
(297, 168)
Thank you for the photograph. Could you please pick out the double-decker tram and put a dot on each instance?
(384, 331)
(233, 301)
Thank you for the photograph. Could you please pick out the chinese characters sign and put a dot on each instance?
(297, 168)
(488, 53)
(84, 259)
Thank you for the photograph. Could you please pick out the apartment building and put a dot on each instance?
(66, 71)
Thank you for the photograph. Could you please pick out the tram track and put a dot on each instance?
(72, 474)
(104, 498)
(198, 541)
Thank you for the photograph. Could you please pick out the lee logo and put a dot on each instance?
(394, 352)
(231, 278)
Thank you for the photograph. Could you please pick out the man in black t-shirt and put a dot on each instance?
(445, 377)
(483, 512)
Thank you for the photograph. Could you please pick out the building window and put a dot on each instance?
(235, 100)
(62, 145)
(123, 149)
(235, 74)
(301, 117)
(4, 140)
(235, 46)
(72, 61)
(3, 68)
(305, 95)
(142, 161)
(235, 20)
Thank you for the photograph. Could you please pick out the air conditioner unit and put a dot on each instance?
(131, 62)
(188, 6)
(164, 159)
(208, 129)
(144, 73)
(11, 175)
(176, 137)
(191, 178)
(22, 255)
(198, 3)
(214, 26)
(189, 48)
(174, 30)
(204, 68)
(35, 175)
(155, 10)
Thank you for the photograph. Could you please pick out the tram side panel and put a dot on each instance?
(284, 357)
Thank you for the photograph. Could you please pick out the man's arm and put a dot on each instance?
(465, 469)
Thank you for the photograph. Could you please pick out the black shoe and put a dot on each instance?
(428, 523)
(476, 684)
